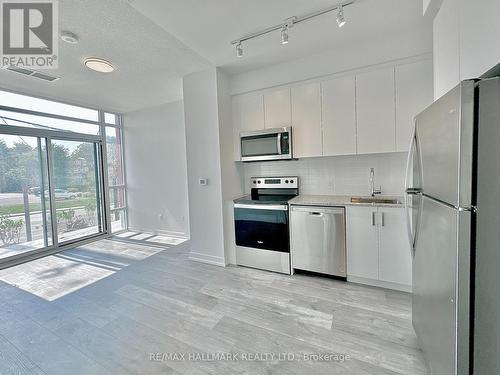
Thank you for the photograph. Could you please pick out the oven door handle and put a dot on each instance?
(272, 207)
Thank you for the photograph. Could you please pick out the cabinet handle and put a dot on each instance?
(373, 218)
(383, 219)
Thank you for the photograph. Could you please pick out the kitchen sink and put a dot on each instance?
(378, 200)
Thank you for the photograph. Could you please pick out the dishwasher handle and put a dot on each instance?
(315, 210)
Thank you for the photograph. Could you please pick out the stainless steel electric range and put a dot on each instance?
(262, 224)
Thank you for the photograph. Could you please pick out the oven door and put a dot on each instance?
(270, 144)
(262, 226)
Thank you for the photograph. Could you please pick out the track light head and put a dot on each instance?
(239, 50)
(284, 34)
(340, 16)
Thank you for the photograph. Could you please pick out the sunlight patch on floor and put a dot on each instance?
(148, 238)
(56, 275)
(53, 276)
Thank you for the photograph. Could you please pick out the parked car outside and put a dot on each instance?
(61, 194)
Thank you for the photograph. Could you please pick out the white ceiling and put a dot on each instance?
(209, 26)
(149, 61)
(154, 43)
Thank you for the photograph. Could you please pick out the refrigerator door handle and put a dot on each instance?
(410, 158)
(408, 225)
(412, 237)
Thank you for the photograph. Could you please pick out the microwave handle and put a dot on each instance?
(278, 140)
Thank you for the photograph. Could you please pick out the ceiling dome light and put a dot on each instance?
(69, 37)
(284, 35)
(99, 65)
(239, 50)
(340, 16)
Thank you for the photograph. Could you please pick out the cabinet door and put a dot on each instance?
(446, 47)
(339, 116)
(376, 111)
(277, 108)
(394, 253)
(251, 111)
(306, 120)
(414, 92)
(236, 122)
(362, 242)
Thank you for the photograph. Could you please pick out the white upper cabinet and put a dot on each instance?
(465, 41)
(251, 108)
(395, 256)
(277, 109)
(236, 121)
(247, 115)
(371, 112)
(414, 92)
(446, 48)
(339, 116)
(376, 111)
(479, 41)
(306, 120)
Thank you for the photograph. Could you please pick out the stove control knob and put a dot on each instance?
(258, 182)
(254, 181)
(286, 181)
(291, 181)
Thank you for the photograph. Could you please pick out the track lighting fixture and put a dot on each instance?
(291, 21)
(340, 16)
(239, 49)
(284, 34)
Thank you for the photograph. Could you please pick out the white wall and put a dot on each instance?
(156, 170)
(337, 175)
(231, 172)
(203, 161)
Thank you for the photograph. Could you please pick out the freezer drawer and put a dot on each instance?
(318, 239)
(441, 280)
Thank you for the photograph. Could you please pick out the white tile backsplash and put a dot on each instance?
(337, 175)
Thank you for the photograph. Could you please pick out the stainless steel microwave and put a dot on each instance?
(268, 144)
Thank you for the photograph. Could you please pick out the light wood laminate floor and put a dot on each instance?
(139, 306)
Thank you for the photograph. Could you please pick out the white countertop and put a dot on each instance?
(338, 200)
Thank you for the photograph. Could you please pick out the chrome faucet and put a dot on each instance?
(374, 190)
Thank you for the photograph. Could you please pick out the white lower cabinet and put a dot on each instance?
(378, 252)
(394, 249)
(362, 242)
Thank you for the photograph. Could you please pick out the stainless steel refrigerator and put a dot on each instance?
(453, 210)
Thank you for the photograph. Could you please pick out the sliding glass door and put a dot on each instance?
(45, 178)
(77, 193)
(25, 220)
(61, 175)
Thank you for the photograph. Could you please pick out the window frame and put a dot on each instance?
(109, 210)
(101, 142)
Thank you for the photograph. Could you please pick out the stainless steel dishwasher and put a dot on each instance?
(318, 239)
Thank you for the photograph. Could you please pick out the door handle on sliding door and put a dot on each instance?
(413, 191)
